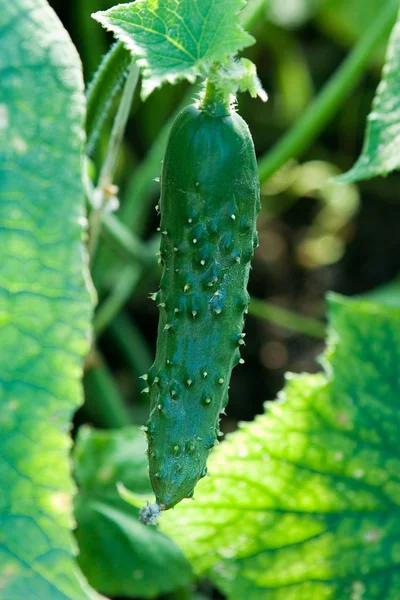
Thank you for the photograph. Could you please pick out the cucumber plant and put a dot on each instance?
(209, 205)
(319, 473)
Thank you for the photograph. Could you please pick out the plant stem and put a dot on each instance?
(215, 102)
(118, 131)
(287, 319)
(103, 402)
(133, 346)
(102, 90)
(103, 191)
(332, 96)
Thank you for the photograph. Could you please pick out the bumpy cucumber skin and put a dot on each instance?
(210, 199)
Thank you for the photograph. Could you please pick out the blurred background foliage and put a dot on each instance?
(314, 235)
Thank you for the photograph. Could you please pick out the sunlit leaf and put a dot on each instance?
(381, 152)
(45, 307)
(304, 502)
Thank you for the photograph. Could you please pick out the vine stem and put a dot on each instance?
(332, 96)
(102, 90)
(105, 190)
(215, 101)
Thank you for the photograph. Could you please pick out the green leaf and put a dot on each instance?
(177, 39)
(119, 555)
(45, 306)
(304, 503)
(381, 151)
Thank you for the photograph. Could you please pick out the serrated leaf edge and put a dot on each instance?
(150, 83)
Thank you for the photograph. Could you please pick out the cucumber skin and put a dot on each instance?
(210, 199)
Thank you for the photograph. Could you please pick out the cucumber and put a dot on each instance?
(209, 203)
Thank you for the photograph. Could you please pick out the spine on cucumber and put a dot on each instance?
(209, 205)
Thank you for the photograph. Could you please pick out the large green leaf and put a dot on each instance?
(119, 555)
(175, 39)
(45, 307)
(381, 152)
(304, 503)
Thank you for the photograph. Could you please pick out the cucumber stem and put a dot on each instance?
(215, 101)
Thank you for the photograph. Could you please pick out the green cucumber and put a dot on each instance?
(209, 203)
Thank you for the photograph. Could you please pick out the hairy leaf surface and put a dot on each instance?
(45, 307)
(176, 39)
(304, 502)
